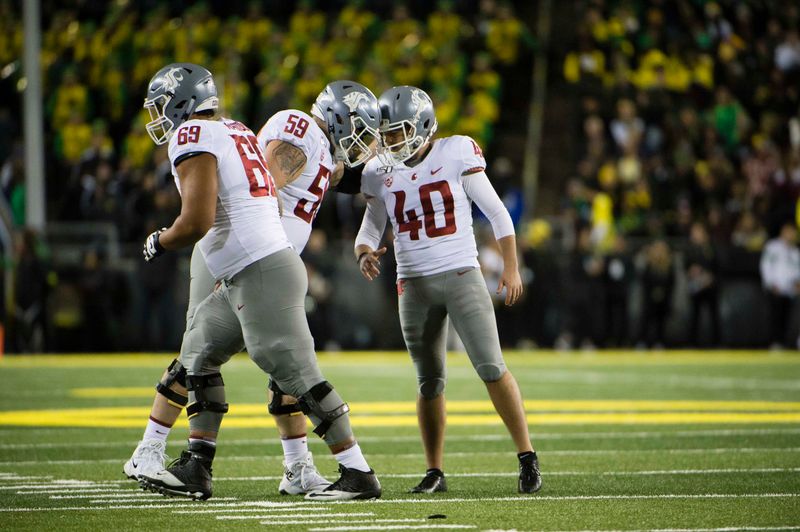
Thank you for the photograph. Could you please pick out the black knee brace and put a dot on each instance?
(175, 373)
(198, 384)
(310, 404)
(276, 406)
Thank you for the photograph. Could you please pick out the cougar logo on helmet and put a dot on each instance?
(171, 80)
(353, 99)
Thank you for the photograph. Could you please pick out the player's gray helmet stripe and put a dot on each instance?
(176, 92)
(410, 110)
(351, 113)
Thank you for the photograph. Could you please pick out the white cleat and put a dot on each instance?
(302, 477)
(148, 459)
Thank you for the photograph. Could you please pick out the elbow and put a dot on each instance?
(197, 229)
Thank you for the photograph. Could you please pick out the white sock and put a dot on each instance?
(353, 459)
(156, 431)
(294, 449)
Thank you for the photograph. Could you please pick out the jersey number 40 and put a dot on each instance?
(413, 224)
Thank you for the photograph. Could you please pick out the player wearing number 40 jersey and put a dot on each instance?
(426, 188)
(229, 203)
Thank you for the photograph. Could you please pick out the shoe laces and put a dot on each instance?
(154, 451)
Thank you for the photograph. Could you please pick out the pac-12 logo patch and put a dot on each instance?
(388, 181)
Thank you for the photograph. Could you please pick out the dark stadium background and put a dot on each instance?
(610, 127)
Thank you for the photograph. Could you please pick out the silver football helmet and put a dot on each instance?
(408, 121)
(176, 92)
(351, 112)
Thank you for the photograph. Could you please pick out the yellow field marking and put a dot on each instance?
(366, 415)
(515, 358)
(402, 407)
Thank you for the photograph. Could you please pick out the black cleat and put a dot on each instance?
(352, 484)
(530, 480)
(433, 482)
(188, 476)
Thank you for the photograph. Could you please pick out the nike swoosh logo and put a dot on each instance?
(434, 172)
(134, 464)
(464, 272)
(239, 307)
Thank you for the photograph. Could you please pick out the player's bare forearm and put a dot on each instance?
(508, 248)
(198, 179)
(285, 161)
(510, 278)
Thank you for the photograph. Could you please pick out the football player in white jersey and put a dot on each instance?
(229, 206)
(426, 187)
(301, 153)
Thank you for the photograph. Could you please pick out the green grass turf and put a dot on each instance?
(596, 476)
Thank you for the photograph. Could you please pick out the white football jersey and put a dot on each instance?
(247, 226)
(430, 212)
(302, 197)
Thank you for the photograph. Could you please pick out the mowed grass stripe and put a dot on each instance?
(400, 407)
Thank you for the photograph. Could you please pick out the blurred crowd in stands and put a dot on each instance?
(679, 212)
(689, 145)
(266, 56)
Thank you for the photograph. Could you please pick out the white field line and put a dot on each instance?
(294, 516)
(391, 527)
(472, 437)
(49, 486)
(290, 507)
(313, 521)
(17, 478)
(531, 499)
(566, 473)
(90, 492)
(111, 495)
(564, 452)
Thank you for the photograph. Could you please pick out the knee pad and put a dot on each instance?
(209, 394)
(276, 406)
(431, 388)
(327, 411)
(175, 373)
(491, 372)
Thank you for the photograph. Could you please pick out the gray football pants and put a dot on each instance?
(425, 305)
(261, 308)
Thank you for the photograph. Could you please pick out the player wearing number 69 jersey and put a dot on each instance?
(229, 203)
(426, 187)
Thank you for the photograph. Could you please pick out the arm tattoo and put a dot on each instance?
(289, 159)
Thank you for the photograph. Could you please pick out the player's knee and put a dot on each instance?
(173, 385)
(207, 406)
(431, 388)
(490, 371)
(281, 403)
(326, 409)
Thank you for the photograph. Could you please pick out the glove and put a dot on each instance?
(152, 247)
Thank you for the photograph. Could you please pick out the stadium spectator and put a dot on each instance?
(617, 278)
(780, 274)
(702, 269)
(30, 294)
(658, 281)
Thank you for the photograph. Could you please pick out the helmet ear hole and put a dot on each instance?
(426, 123)
(180, 104)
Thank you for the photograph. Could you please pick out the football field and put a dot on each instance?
(626, 441)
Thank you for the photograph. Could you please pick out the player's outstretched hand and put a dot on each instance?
(370, 263)
(152, 247)
(512, 281)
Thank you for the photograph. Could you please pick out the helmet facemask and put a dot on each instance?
(160, 127)
(359, 146)
(392, 151)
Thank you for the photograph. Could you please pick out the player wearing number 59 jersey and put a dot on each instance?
(426, 188)
(229, 204)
